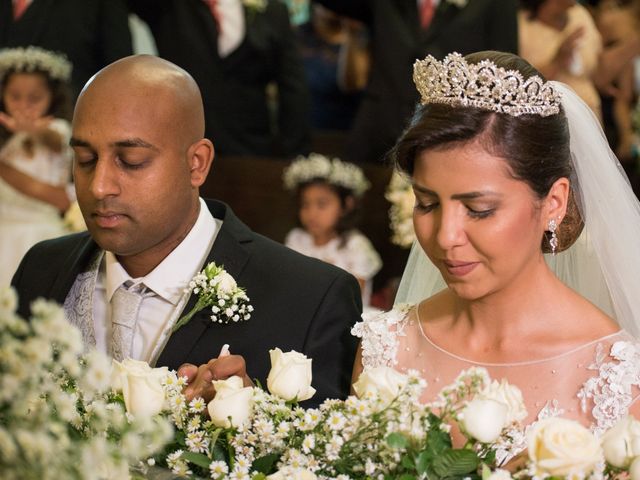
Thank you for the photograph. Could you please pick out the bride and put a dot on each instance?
(505, 168)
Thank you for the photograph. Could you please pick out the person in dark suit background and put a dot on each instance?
(140, 157)
(91, 33)
(402, 31)
(235, 49)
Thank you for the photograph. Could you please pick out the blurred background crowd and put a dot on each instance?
(285, 78)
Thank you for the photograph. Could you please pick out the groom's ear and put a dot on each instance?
(556, 201)
(200, 157)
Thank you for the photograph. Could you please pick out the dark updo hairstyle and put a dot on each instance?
(532, 7)
(61, 104)
(536, 148)
(349, 219)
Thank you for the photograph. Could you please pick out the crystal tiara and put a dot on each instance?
(333, 171)
(32, 59)
(484, 85)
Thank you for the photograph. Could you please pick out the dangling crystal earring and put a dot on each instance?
(553, 241)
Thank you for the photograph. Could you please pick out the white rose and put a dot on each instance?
(621, 443)
(484, 419)
(292, 474)
(559, 447)
(383, 382)
(499, 474)
(508, 394)
(226, 283)
(232, 404)
(141, 386)
(290, 375)
(634, 469)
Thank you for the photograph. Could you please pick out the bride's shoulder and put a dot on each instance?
(378, 332)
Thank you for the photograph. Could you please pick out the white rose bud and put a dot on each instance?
(292, 474)
(383, 382)
(560, 447)
(232, 401)
(226, 283)
(484, 419)
(290, 375)
(634, 469)
(508, 394)
(141, 386)
(621, 443)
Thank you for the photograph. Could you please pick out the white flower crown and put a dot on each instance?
(334, 172)
(484, 85)
(32, 59)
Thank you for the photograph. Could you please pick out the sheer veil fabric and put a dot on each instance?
(604, 263)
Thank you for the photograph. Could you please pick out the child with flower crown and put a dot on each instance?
(327, 192)
(35, 161)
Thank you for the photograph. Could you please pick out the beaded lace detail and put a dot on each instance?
(604, 396)
(611, 389)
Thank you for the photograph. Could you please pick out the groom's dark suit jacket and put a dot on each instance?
(397, 41)
(300, 303)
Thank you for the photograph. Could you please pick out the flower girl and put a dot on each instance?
(35, 162)
(327, 192)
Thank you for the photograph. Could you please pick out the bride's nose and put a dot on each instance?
(450, 227)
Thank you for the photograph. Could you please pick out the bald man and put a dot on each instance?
(140, 158)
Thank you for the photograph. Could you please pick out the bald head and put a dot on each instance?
(149, 80)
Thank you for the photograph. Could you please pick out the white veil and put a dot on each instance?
(604, 263)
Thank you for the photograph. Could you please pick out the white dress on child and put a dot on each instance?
(355, 254)
(24, 221)
(595, 383)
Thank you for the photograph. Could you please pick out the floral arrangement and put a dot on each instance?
(402, 198)
(333, 171)
(34, 59)
(217, 289)
(58, 416)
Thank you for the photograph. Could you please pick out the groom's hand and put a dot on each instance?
(199, 378)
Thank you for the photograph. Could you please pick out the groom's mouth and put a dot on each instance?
(459, 269)
(107, 219)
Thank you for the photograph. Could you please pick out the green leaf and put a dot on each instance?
(437, 441)
(265, 464)
(218, 453)
(198, 459)
(397, 441)
(455, 462)
(422, 462)
(259, 476)
(407, 462)
(406, 476)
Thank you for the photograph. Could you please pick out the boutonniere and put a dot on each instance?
(255, 6)
(458, 3)
(217, 289)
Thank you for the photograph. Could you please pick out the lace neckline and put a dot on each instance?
(512, 364)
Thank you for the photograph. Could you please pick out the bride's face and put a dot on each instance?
(478, 225)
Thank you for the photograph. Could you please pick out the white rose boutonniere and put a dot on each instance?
(290, 376)
(141, 386)
(559, 447)
(232, 404)
(217, 289)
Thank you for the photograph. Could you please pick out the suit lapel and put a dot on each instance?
(77, 262)
(209, 26)
(34, 20)
(228, 251)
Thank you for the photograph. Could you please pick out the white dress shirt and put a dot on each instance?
(232, 26)
(168, 281)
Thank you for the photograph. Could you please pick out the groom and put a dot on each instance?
(140, 158)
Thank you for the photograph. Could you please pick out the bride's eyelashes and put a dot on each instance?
(472, 212)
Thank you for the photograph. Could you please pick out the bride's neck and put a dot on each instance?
(515, 311)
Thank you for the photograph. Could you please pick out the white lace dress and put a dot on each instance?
(595, 383)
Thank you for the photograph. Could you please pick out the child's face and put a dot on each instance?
(320, 210)
(27, 95)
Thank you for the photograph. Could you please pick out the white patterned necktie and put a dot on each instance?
(125, 305)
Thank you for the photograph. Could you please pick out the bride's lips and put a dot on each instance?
(459, 269)
(107, 219)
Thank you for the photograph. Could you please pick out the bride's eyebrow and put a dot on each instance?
(458, 196)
